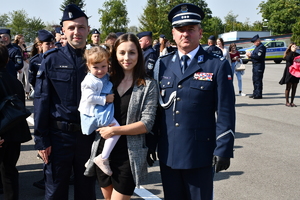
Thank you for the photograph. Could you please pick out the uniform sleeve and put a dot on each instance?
(42, 115)
(259, 55)
(18, 59)
(225, 126)
(32, 72)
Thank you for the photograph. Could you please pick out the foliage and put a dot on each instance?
(4, 20)
(113, 17)
(296, 32)
(281, 15)
(20, 23)
(79, 3)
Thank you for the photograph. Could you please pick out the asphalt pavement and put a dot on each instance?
(267, 150)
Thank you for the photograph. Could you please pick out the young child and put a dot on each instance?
(96, 107)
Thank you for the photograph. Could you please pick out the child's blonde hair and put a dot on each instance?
(96, 54)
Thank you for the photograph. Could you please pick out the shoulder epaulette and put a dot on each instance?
(171, 53)
(217, 56)
(35, 56)
(49, 52)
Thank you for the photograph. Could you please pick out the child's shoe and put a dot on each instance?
(103, 164)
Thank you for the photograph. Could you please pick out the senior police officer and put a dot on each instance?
(212, 48)
(150, 56)
(258, 57)
(15, 62)
(58, 135)
(194, 88)
(95, 37)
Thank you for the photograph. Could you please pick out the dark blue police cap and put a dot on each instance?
(5, 31)
(59, 30)
(45, 36)
(185, 14)
(162, 36)
(212, 37)
(95, 31)
(71, 12)
(119, 33)
(256, 37)
(145, 33)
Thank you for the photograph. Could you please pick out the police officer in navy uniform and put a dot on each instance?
(36, 60)
(197, 102)
(257, 56)
(150, 56)
(212, 48)
(15, 62)
(95, 37)
(57, 130)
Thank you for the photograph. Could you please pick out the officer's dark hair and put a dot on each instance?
(96, 54)
(111, 36)
(139, 72)
(3, 56)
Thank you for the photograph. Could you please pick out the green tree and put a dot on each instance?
(34, 24)
(230, 22)
(79, 3)
(215, 28)
(281, 15)
(155, 16)
(18, 22)
(4, 19)
(296, 32)
(113, 17)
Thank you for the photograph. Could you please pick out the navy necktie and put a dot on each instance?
(184, 59)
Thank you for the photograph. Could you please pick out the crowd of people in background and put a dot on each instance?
(120, 89)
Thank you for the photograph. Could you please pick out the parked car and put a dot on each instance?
(275, 51)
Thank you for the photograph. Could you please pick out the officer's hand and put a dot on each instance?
(221, 163)
(151, 153)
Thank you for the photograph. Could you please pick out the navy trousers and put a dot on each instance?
(257, 78)
(187, 184)
(70, 150)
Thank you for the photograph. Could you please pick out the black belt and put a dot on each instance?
(66, 126)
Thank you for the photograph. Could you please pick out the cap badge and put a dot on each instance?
(184, 8)
(70, 15)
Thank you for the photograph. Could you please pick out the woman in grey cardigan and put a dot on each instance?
(135, 107)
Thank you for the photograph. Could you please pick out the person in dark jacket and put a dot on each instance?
(287, 78)
(11, 140)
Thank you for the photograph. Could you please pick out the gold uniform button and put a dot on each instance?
(177, 112)
(179, 86)
(178, 99)
(177, 125)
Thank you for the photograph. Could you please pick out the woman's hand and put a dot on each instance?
(106, 132)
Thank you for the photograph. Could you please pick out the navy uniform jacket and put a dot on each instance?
(57, 91)
(15, 62)
(150, 58)
(34, 66)
(258, 55)
(213, 49)
(190, 132)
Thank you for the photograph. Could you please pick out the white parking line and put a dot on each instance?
(142, 192)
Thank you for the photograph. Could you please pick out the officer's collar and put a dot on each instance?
(147, 48)
(78, 52)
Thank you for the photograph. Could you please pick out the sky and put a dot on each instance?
(49, 11)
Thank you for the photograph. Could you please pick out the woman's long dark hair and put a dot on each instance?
(288, 50)
(117, 73)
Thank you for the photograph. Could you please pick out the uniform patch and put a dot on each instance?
(229, 77)
(201, 76)
(200, 58)
(166, 77)
(150, 65)
(19, 61)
